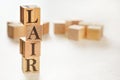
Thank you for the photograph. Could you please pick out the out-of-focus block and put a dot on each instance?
(31, 64)
(94, 32)
(45, 28)
(59, 28)
(76, 32)
(34, 32)
(69, 23)
(30, 14)
(86, 24)
(15, 30)
(30, 48)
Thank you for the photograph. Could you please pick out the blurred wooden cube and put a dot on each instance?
(86, 24)
(59, 28)
(76, 32)
(29, 48)
(34, 32)
(15, 30)
(45, 28)
(30, 14)
(94, 32)
(31, 64)
(69, 23)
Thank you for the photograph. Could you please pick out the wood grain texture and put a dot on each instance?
(34, 32)
(31, 65)
(30, 48)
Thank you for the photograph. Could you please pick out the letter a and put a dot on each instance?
(34, 32)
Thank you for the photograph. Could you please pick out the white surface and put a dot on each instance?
(63, 59)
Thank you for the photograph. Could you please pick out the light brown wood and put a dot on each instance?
(76, 32)
(30, 14)
(45, 28)
(34, 32)
(31, 64)
(69, 23)
(59, 28)
(94, 32)
(86, 24)
(30, 48)
(15, 30)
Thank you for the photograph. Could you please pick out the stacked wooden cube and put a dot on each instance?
(17, 29)
(77, 30)
(30, 45)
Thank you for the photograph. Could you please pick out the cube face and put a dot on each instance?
(34, 32)
(31, 48)
(15, 30)
(76, 32)
(10, 32)
(22, 46)
(73, 34)
(94, 34)
(30, 65)
(59, 28)
(45, 28)
(19, 32)
(30, 14)
(82, 33)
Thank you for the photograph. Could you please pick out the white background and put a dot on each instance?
(64, 59)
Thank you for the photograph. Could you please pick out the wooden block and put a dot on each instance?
(76, 32)
(94, 32)
(59, 28)
(46, 28)
(102, 28)
(30, 14)
(34, 32)
(31, 64)
(30, 48)
(15, 30)
(86, 24)
(69, 23)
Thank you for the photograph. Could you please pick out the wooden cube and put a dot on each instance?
(76, 32)
(94, 32)
(59, 28)
(86, 24)
(30, 14)
(45, 28)
(69, 23)
(31, 64)
(30, 48)
(34, 32)
(15, 30)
